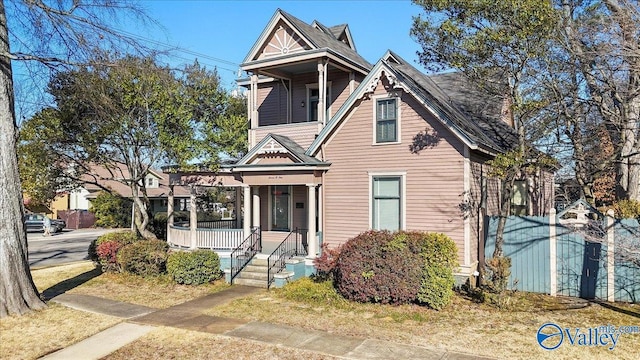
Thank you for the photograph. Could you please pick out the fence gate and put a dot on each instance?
(568, 253)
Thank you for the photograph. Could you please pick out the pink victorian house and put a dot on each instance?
(338, 146)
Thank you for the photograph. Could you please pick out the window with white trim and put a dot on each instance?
(387, 202)
(313, 96)
(386, 120)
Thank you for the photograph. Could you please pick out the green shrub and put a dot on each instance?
(311, 291)
(395, 268)
(111, 211)
(145, 257)
(104, 249)
(436, 289)
(194, 268)
(159, 225)
(380, 267)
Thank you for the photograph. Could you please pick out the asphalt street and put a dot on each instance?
(60, 248)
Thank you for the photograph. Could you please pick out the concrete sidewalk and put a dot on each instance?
(189, 316)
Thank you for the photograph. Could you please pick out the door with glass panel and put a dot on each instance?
(280, 198)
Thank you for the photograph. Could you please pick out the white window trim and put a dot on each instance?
(374, 124)
(403, 195)
(316, 86)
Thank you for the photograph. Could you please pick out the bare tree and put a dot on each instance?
(46, 34)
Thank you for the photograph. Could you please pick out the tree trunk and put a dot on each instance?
(141, 215)
(18, 293)
(505, 209)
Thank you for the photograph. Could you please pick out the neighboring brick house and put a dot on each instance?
(338, 146)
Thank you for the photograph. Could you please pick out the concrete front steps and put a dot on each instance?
(255, 274)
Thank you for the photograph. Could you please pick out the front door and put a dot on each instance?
(280, 199)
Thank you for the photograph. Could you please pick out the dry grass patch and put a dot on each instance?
(41, 332)
(156, 292)
(47, 277)
(464, 326)
(170, 343)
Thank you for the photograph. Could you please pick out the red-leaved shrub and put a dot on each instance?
(327, 261)
(380, 266)
(107, 255)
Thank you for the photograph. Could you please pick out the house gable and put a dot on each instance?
(283, 40)
(396, 82)
(280, 37)
(277, 149)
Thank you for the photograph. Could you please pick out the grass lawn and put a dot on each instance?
(42, 332)
(464, 326)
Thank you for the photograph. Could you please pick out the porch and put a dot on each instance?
(270, 227)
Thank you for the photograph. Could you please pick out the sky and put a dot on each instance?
(221, 33)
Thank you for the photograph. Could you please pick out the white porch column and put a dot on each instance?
(169, 213)
(322, 92)
(246, 210)
(193, 218)
(311, 221)
(238, 207)
(320, 209)
(253, 102)
(256, 206)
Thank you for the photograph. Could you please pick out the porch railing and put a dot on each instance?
(214, 239)
(293, 245)
(241, 255)
(214, 224)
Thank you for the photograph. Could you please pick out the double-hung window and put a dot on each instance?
(386, 120)
(387, 202)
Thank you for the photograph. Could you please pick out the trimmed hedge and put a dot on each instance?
(397, 268)
(379, 267)
(194, 268)
(145, 258)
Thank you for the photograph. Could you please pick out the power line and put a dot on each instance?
(181, 49)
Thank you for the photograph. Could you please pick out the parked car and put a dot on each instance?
(35, 222)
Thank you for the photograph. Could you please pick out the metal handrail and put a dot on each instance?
(249, 247)
(293, 245)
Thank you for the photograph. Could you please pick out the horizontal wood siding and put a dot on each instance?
(303, 133)
(299, 94)
(339, 90)
(299, 215)
(272, 104)
(434, 175)
(264, 207)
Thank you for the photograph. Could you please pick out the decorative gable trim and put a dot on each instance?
(274, 24)
(367, 87)
(269, 146)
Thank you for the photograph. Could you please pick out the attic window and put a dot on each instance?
(386, 120)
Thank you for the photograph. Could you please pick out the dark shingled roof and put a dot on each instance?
(473, 112)
(323, 40)
(295, 149)
(482, 108)
(337, 30)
